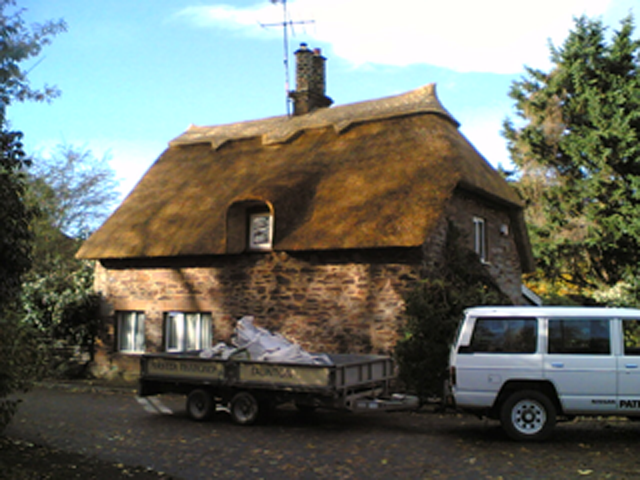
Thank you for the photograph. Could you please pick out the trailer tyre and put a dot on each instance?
(245, 409)
(200, 405)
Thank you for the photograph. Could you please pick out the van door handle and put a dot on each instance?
(557, 365)
(631, 365)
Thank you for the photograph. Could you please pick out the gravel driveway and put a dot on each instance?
(425, 445)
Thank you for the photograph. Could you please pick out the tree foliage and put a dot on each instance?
(18, 43)
(576, 145)
(69, 191)
(15, 257)
(21, 358)
(18, 349)
(63, 310)
(74, 190)
(434, 309)
(15, 236)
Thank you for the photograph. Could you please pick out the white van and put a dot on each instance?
(527, 366)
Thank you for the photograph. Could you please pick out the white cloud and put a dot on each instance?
(229, 17)
(465, 35)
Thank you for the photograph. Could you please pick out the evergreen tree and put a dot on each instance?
(576, 145)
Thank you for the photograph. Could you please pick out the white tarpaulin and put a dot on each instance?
(260, 344)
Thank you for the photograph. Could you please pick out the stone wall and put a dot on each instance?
(324, 301)
(502, 260)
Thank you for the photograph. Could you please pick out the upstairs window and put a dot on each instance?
(260, 231)
(187, 331)
(250, 226)
(480, 238)
(130, 332)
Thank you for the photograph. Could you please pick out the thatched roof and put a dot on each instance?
(366, 175)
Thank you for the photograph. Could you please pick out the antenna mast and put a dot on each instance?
(286, 23)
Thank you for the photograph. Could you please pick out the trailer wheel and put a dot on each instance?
(244, 409)
(200, 405)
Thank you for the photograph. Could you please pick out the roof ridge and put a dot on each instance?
(280, 129)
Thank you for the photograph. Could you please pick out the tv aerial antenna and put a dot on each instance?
(286, 24)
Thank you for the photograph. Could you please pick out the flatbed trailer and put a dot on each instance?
(252, 388)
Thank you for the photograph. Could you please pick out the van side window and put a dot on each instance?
(504, 335)
(631, 330)
(587, 337)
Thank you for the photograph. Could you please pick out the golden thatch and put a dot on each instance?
(366, 175)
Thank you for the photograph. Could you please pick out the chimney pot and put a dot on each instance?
(310, 81)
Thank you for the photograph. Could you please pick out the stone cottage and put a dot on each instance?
(316, 223)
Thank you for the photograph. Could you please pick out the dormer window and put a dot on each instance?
(250, 226)
(260, 231)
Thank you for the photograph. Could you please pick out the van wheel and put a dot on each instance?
(244, 408)
(200, 405)
(528, 415)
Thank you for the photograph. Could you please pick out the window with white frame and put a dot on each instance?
(480, 238)
(130, 332)
(187, 331)
(260, 231)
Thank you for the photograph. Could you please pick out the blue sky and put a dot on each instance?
(134, 74)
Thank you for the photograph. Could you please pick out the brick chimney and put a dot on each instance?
(310, 81)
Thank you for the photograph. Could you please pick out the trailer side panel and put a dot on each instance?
(185, 369)
(299, 376)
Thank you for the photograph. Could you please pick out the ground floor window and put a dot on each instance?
(187, 331)
(130, 331)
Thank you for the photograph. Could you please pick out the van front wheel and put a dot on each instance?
(528, 415)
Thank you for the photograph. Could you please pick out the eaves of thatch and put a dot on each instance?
(366, 175)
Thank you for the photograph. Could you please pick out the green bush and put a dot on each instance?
(434, 309)
(21, 360)
(15, 260)
(62, 307)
